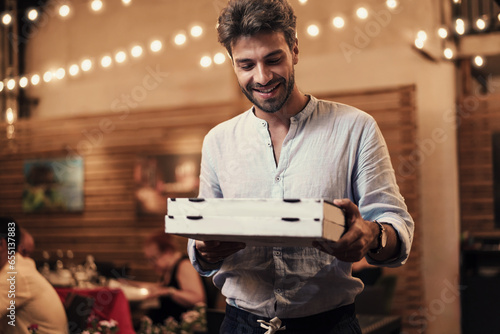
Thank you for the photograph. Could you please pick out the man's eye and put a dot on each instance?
(246, 66)
(274, 61)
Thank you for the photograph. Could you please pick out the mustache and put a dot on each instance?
(270, 83)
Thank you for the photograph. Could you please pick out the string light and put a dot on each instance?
(74, 70)
(302, 2)
(156, 45)
(448, 53)
(120, 57)
(6, 19)
(443, 33)
(460, 26)
(126, 2)
(9, 116)
(32, 14)
(391, 4)
(136, 51)
(196, 31)
(106, 61)
(96, 5)
(47, 76)
(480, 24)
(64, 10)
(205, 61)
(478, 61)
(86, 65)
(338, 22)
(219, 58)
(1, 86)
(362, 13)
(35, 79)
(180, 39)
(313, 30)
(23, 82)
(11, 84)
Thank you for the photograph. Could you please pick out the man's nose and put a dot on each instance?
(263, 75)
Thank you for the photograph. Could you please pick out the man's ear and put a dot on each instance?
(295, 52)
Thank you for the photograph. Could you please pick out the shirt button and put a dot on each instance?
(278, 290)
(278, 179)
(277, 253)
(263, 123)
(269, 144)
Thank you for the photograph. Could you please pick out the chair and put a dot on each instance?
(78, 309)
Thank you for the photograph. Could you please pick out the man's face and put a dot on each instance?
(264, 67)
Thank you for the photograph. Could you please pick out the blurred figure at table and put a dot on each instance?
(26, 297)
(180, 286)
(27, 243)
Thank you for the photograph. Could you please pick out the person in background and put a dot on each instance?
(26, 297)
(293, 145)
(180, 286)
(27, 244)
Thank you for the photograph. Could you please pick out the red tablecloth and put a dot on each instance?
(108, 304)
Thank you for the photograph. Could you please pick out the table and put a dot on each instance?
(108, 304)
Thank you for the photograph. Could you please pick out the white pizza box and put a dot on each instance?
(257, 222)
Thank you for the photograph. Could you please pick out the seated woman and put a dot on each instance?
(180, 286)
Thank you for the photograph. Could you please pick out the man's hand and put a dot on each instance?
(361, 235)
(216, 251)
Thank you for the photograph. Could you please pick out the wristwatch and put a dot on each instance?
(382, 239)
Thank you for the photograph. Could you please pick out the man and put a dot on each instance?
(292, 145)
(26, 297)
(27, 245)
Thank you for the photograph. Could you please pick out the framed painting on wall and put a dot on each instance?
(159, 177)
(53, 185)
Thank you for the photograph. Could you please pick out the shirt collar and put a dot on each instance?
(301, 115)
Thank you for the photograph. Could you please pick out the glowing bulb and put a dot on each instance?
(23, 82)
(126, 2)
(362, 13)
(460, 26)
(302, 2)
(35, 79)
(156, 45)
(1, 86)
(456, 1)
(64, 10)
(73, 70)
(11, 84)
(205, 61)
(136, 51)
(120, 57)
(338, 22)
(391, 4)
(313, 30)
(60, 73)
(144, 291)
(86, 65)
(443, 33)
(498, 16)
(196, 31)
(419, 43)
(422, 35)
(480, 24)
(106, 61)
(6, 19)
(478, 61)
(9, 115)
(47, 76)
(32, 14)
(180, 39)
(448, 53)
(96, 5)
(219, 58)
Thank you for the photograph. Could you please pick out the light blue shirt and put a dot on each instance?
(331, 151)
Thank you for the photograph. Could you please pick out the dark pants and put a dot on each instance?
(339, 321)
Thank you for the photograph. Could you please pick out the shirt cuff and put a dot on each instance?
(204, 268)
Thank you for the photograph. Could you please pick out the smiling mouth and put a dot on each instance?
(267, 90)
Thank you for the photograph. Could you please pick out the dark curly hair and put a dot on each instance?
(249, 17)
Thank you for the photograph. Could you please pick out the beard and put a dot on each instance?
(274, 104)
